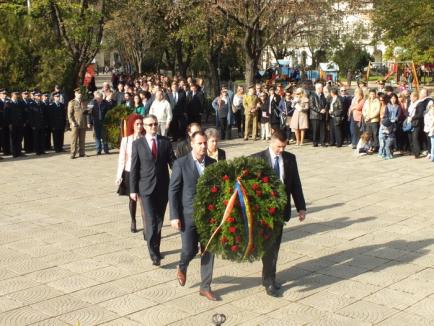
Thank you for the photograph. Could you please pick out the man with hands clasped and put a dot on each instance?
(284, 165)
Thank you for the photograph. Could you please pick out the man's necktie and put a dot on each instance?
(154, 149)
(276, 167)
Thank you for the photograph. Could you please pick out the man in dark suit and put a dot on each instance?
(184, 147)
(177, 99)
(285, 166)
(57, 121)
(15, 119)
(195, 104)
(149, 176)
(317, 113)
(182, 190)
(36, 121)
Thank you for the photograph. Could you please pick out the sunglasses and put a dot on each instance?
(155, 124)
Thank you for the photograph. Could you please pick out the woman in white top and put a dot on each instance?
(162, 110)
(238, 110)
(134, 130)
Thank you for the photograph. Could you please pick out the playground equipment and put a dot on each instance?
(394, 68)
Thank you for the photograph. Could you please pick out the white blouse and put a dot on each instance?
(124, 161)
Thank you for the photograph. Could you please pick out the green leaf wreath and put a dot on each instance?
(113, 124)
(241, 236)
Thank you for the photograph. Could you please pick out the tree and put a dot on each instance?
(408, 26)
(352, 57)
(79, 25)
(267, 22)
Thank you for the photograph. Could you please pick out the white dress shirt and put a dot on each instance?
(200, 166)
(273, 159)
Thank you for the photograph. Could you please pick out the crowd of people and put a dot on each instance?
(391, 121)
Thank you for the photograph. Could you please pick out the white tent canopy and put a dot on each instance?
(329, 66)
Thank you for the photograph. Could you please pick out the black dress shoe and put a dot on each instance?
(161, 256)
(156, 261)
(271, 290)
(133, 227)
(277, 285)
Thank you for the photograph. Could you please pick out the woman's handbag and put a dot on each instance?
(123, 187)
(406, 126)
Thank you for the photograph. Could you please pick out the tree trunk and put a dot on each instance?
(249, 74)
(213, 77)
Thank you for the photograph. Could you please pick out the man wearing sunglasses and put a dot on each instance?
(149, 177)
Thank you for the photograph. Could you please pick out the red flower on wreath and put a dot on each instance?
(265, 179)
(211, 207)
(232, 229)
(258, 193)
(214, 189)
(234, 248)
(255, 186)
(238, 239)
(225, 177)
(223, 239)
(225, 202)
(245, 172)
(257, 208)
(230, 219)
(272, 210)
(212, 220)
(273, 194)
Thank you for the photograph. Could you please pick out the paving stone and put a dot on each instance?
(367, 312)
(7, 303)
(99, 293)
(127, 304)
(159, 315)
(73, 283)
(60, 305)
(92, 315)
(35, 294)
(21, 316)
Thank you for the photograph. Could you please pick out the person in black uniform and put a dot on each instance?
(15, 118)
(27, 102)
(36, 121)
(57, 121)
(2, 119)
(47, 130)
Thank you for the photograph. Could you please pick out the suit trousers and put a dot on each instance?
(38, 140)
(190, 240)
(58, 135)
(318, 131)
(6, 144)
(269, 260)
(78, 139)
(335, 133)
(372, 129)
(154, 207)
(251, 119)
(16, 139)
(28, 139)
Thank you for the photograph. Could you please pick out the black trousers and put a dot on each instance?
(416, 140)
(239, 122)
(154, 207)
(28, 139)
(190, 241)
(38, 140)
(372, 129)
(269, 260)
(6, 144)
(16, 138)
(58, 139)
(318, 131)
(47, 138)
(225, 129)
(335, 133)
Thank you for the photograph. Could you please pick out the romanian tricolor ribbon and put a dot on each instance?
(241, 193)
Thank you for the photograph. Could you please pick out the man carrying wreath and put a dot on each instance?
(182, 191)
(284, 165)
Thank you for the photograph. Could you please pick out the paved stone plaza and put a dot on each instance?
(364, 256)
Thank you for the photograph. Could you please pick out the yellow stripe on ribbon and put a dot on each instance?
(226, 214)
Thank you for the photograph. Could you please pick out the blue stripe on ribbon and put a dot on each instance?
(243, 209)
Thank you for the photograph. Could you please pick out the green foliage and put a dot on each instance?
(352, 57)
(408, 25)
(266, 197)
(113, 124)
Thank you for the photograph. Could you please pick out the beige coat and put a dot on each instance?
(77, 114)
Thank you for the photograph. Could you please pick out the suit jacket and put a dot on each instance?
(291, 181)
(182, 189)
(146, 172)
(178, 108)
(57, 115)
(316, 104)
(221, 154)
